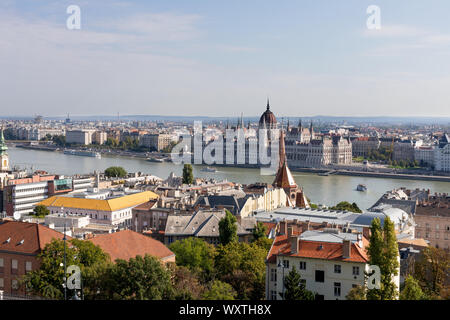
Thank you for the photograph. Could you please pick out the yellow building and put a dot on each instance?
(116, 211)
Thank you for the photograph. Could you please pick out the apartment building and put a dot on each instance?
(330, 262)
(83, 137)
(432, 219)
(116, 211)
(442, 154)
(156, 141)
(20, 244)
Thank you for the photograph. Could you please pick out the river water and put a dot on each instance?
(327, 190)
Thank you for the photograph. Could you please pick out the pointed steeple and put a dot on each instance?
(300, 125)
(268, 105)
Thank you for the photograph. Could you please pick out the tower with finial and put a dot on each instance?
(4, 158)
(285, 180)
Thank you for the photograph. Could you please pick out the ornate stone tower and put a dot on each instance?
(4, 158)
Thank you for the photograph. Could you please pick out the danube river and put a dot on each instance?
(327, 190)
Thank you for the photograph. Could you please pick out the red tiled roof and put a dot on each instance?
(34, 236)
(269, 226)
(310, 249)
(128, 244)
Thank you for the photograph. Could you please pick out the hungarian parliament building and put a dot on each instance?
(303, 147)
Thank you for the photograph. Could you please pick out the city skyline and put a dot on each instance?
(221, 59)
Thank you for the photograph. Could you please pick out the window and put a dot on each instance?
(437, 227)
(302, 265)
(437, 235)
(2, 283)
(273, 295)
(1, 263)
(337, 289)
(28, 266)
(14, 267)
(14, 284)
(273, 274)
(320, 276)
(355, 271)
(286, 264)
(337, 268)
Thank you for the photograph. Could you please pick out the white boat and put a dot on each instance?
(155, 160)
(208, 169)
(83, 153)
(361, 187)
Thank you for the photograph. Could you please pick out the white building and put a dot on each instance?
(442, 154)
(330, 263)
(112, 212)
(83, 137)
(424, 155)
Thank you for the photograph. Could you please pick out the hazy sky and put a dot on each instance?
(221, 58)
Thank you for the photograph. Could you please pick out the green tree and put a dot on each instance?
(357, 293)
(140, 278)
(242, 265)
(195, 254)
(383, 252)
(220, 291)
(412, 290)
(188, 176)
(228, 228)
(295, 288)
(432, 272)
(390, 267)
(186, 284)
(115, 172)
(40, 211)
(344, 205)
(375, 252)
(48, 279)
(260, 231)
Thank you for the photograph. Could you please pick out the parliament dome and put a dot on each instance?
(267, 119)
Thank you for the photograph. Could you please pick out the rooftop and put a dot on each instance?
(100, 205)
(128, 244)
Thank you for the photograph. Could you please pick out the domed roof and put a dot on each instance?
(268, 118)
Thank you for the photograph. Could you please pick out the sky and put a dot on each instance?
(224, 58)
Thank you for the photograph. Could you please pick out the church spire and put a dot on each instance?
(268, 105)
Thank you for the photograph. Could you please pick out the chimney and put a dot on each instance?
(366, 232)
(346, 249)
(360, 240)
(290, 231)
(283, 227)
(294, 243)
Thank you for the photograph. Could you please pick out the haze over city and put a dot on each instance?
(224, 58)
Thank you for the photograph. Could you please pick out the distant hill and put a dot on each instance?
(233, 120)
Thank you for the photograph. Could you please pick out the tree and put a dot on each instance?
(260, 231)
(242, 265)
(40, 211)
(185, 283)
(357, 293)
(48, 279)
(390, 267)
(140, 278)
(220, 291)
(383, 252)
(115, 172)
(432, 272)
(227, 228)
(344, 205)
(188, 176)
(375, 252)
(412, 290)
(295, 288)
(195, 254)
